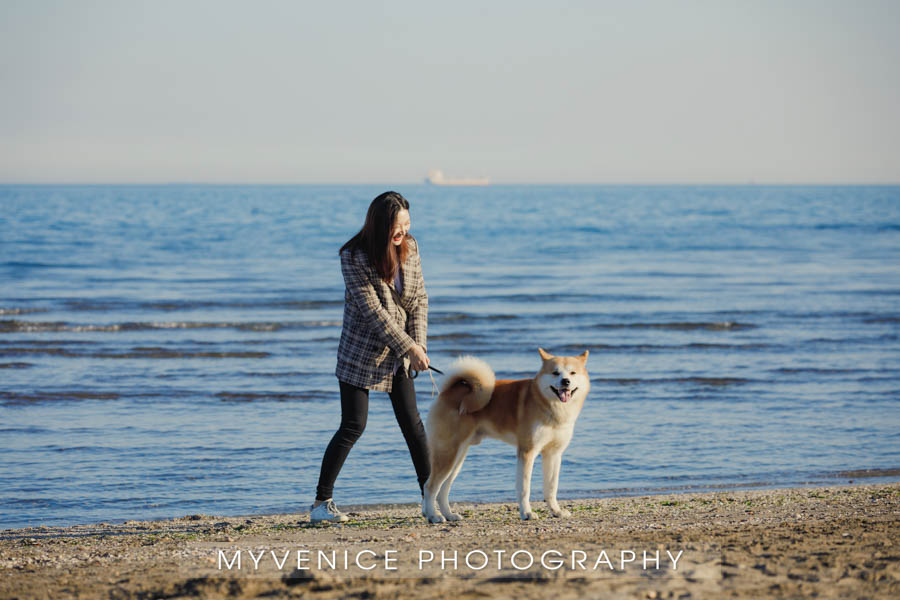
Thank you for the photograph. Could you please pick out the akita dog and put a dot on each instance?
(535, 415)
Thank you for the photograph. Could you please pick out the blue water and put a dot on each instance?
(169, 350)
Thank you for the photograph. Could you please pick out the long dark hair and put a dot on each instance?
(374, 237)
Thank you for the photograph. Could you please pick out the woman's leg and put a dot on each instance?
(354, 410)
(403, 398)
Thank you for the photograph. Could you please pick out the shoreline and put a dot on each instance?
(840, 478)
(832, 541)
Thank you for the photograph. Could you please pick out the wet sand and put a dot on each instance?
(834, 542)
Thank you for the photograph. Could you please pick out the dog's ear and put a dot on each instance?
(544, 354)
(583, 357)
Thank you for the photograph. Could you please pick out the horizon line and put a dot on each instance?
(492, 184)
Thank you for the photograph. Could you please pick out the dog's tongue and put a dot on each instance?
(565, 395)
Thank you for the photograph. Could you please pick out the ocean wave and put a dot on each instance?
(15, 326)
(278, 374)
(137, 352)
(838, 314)
(705, 381)
(81, 305)
(880, 320)
(277, 396)
(21, 311)
(455, 336)
(886, 337)
(860, 227)
(31, 429)
(47, 343)
(18, 398)
(875, 292)
(460, 317)
(680, 326)
(38, 351)
(866, 473)
(13, 264)
(577, 349)
(550, 297)
(10, 398)
(815, 371)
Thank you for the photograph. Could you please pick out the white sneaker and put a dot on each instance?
(326, 511)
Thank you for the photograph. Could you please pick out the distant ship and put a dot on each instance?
(436, 177)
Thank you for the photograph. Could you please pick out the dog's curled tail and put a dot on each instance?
(470, 381)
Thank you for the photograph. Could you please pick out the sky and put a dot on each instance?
(220, 91)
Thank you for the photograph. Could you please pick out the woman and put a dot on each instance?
(383, 336)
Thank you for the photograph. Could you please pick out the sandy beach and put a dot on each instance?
(834, 542)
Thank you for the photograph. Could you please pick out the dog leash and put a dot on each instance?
(413, 374)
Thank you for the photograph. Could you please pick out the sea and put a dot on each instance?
(168, 350)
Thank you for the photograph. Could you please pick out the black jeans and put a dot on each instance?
(354, 411)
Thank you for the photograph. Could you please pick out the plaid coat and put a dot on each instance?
(380, 325)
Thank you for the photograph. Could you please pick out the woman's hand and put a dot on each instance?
(418, 360)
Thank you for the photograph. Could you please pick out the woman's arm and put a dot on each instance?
(366, 300)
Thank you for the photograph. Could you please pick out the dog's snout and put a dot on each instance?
(564, 382)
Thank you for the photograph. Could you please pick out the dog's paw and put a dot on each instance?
(436, 519)
(453, 516)
(562, 512)
(528, 516)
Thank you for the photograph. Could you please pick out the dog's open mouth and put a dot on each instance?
(563, 395)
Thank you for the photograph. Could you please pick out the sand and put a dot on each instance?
(834, 542)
